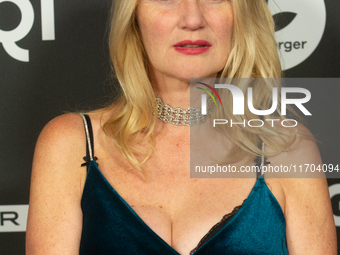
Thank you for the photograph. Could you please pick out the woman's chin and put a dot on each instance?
(195, 74)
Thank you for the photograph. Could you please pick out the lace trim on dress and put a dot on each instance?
(260, 162)
(217, 227)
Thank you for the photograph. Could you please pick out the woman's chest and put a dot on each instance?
(177, 208)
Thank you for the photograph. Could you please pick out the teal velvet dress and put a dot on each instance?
(111, 226)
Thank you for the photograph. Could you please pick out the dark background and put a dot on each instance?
(72, 73)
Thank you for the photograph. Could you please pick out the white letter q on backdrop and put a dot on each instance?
(9, 38)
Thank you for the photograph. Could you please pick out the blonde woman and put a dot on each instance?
(134, 194)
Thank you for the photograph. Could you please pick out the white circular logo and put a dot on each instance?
(300, 25)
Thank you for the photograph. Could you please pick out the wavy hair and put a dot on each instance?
(253, 55)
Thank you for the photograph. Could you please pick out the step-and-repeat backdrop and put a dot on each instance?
(54, 59)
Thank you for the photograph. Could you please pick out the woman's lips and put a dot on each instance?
(192, 47)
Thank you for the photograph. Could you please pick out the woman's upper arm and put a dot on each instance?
(308, 211)
(55, 219)
(310, 223)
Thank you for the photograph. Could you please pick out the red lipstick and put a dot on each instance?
(192, 47)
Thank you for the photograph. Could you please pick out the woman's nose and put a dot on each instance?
(192, 17)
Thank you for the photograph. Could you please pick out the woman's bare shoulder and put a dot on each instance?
(292, 169)
(59, 151)
(67, 127)
(57, 182)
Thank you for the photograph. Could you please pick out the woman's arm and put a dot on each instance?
(308, 211)
(310, 223)
(55, 218)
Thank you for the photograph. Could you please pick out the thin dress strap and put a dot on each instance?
(89, 140)
(262, 158)
(261, 161)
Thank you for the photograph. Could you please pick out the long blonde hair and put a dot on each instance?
(253, 55)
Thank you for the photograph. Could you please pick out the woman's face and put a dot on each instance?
(186, 38)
